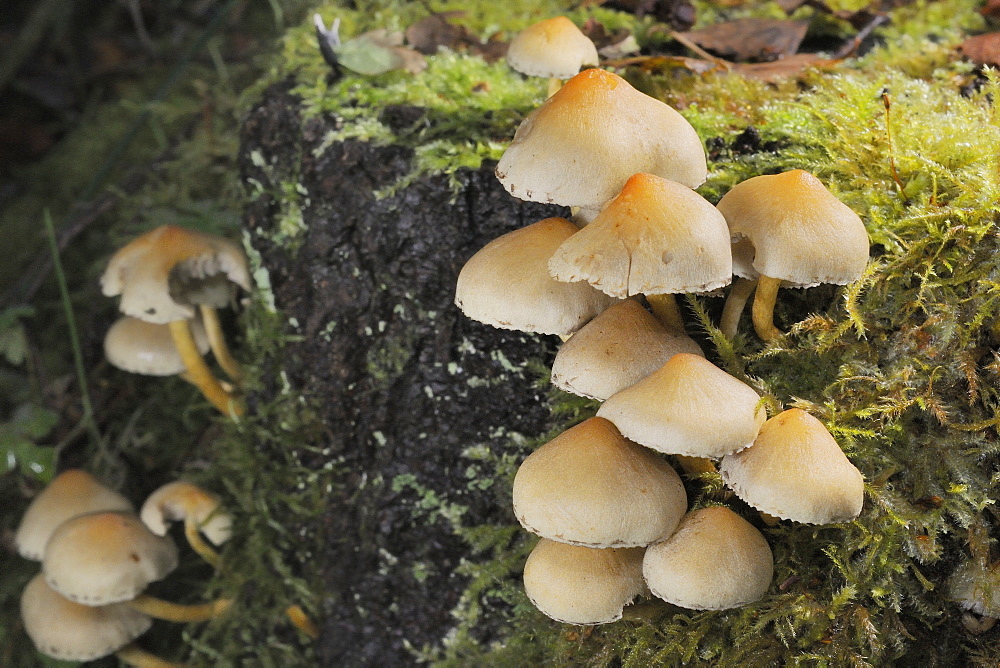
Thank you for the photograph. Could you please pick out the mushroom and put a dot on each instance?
(163, 275)
(581, 145)
(688, 407)
(583, 585)
(553, 48)
(657, 238)
(147, 348)
(591, 486)
(975, 586)
(714, 561)
(796, 471)
(507, 284)
(198, 508)
(789, 227)
(73, 492)
(618, 348)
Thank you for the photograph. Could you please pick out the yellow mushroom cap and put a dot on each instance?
(180, 500)
(795, 470)
(618, 348)
(70, 631)
(162, 273)
(585, 141)
(689, 407)
(71, 493)
(583, 585)
(103, 558)
(714, 561)
(794, 229)
(591, 486)
(507, 284)
(655, 237)
(148, 348)
(551, 48)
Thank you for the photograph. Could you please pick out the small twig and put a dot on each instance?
(852, 44)
(700, 51)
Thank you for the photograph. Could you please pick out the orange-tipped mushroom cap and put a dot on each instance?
(71, 493)
(655, 237)
(103, 558)
(70, 631)
(583, 585)
(507, 284)
(689, 407)
(585, 141)
(182, 500)
(590, 486)
(794, 229)
(615, 350)
(796, 471)
(161, 274)
(147, 348)
(714, 561)
(551, 48)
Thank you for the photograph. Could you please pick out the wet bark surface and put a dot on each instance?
(404, 381)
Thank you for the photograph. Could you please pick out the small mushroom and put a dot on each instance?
(147, 348)
(714, 561)
(975, 586)
(583, 585)
(553, 48)
(591, 486)
(198, 508)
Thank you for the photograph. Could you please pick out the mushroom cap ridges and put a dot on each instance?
(655, 237)
(583, 585)
(800, 232)
(154, 268)
(73, 492)
(551, 48)
(689, 407)
(591, 486)
(796, 471)
(180, 500)
(148, 348)
(507, 283)
(621, 346)
(71, 631)
(585, 141)
(103, 558)
(714, 561)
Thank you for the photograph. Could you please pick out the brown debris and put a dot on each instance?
(982, 49)
(751, 39)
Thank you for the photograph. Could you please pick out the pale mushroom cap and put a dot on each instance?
(148, 348)
(180, 500)
(585, 141)
(590, 486)
(551, 48)
(976, 588)
(583, 585)
(104, 558)
(795, 470)
(655, 237)
(689, 407)
(507, 284)
(71, 493)
(799, 231)
(70, 631)
(162, 273)
(618, 348)
(714, 561)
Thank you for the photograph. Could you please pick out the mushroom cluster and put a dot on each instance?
(611, 511)
(98, 557)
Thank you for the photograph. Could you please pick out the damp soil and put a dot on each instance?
(403, 381)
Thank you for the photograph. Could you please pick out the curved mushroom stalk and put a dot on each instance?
(976, 624)
(667, 311)
(198, 372)
(177, 612)
(217, 341)
(763, 308)
(133, 655)
(735, 303)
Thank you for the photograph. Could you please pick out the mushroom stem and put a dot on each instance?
(194, 539)
(763, 308)
(733, 310)
(217, 341)
(667, 311)
(199, 373)
(177, 612)
(555, 84)
(694, 466)
(976, 624)
(134, 655)
(300, 620)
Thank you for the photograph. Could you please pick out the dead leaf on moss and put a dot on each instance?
(751, 39)
(786, 68)
(991, 9)
(982, 49)
(435, 31)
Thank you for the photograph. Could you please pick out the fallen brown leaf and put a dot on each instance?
(786, 68)
(991, 9)
(982, 49)
(435, 31)
(751, 39)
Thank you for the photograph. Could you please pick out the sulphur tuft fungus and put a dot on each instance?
(554, 48)
(147, 348)
(198, 508)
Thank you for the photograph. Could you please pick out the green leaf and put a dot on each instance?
(365, 56)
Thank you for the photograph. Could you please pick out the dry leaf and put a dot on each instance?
(786, 68)
(982, 49)
(428, 34)
(991, 9)
(751, 39)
